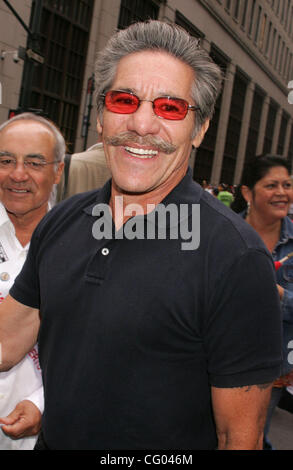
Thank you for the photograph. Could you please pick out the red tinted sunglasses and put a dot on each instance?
(123, 102)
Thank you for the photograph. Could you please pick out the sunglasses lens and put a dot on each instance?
(121, 102)
(171, 108)
(126, 103)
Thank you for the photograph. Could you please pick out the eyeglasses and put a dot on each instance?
(30, 164)
(167, 107)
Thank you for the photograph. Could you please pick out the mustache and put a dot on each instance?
(149, 140)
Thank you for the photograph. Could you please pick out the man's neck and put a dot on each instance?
(25, 224)
(145, 202)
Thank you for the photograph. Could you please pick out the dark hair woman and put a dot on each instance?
(263, 200)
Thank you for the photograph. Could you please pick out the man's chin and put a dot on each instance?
(133, 190)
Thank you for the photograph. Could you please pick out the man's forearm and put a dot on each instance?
(240, 442)
(6, 360)
(240, 415)
(19, 326)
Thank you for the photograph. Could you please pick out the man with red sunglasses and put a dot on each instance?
(149, 343)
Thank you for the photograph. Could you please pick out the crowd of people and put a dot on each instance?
(224, 192)
(115, 341)
(231, 195)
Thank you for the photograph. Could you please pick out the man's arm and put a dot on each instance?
(240, 415)
(19, 326)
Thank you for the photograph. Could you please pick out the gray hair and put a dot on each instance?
(60, 146)
(160, 36)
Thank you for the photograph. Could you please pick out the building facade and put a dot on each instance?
(251, 40)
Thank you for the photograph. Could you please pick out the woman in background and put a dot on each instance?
(267, 190)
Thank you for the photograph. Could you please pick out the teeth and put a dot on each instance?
(142, 153)
(19, 190)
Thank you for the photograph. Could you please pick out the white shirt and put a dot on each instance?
(23, 381)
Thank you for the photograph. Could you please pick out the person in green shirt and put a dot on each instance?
(225, 196)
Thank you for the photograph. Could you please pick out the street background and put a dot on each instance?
(281, 433)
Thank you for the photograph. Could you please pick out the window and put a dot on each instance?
(187, 25)
(281, 57)
(273, 45)
(228, 5)
(244, 12)
(254, 124)
(278, 7)
(205, 153)
(268, 38)
(251, 17)
(287, 13)
(290, 22)
(269, 132)
(262, 31)
(137, 10)
(290, 149)
(283, 11)
(288, 76)
(291, 69)
(234, 127)
(257, 24)
(277, 51)
(285, 62)
(236, 9)
(282, 134)
(57, 84)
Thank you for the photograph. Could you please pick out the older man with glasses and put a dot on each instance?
(153, 343)
(31, 154)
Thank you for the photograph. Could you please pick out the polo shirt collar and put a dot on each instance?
(187, 191)
(4, 219)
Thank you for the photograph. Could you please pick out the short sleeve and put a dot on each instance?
(243, 329)
(26, 285)
(37, 398)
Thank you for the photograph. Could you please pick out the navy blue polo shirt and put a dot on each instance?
(134, 332)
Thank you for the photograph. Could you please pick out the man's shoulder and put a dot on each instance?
(70, 208)
(220, 226)
(3, 215)
(226, 224)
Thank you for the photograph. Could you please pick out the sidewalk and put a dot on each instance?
(281, 433)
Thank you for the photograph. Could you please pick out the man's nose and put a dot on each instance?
(19, 172)
(144, 121)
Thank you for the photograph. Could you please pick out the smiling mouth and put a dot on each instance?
(18, 191)
(141, 153)
(279, 203)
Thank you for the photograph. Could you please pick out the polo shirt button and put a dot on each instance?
(105, 251)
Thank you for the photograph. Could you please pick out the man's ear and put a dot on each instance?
(59, 172)
(99, 126)
(201, 133)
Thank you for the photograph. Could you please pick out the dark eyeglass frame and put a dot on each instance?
(188, 107)
(7, 162)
